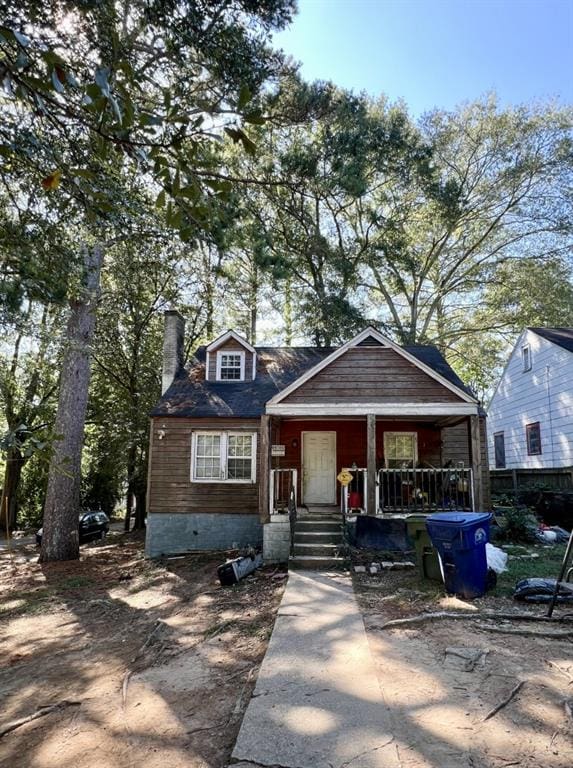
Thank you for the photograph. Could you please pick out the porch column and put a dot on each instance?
(264, 468)
(371, 463)
(475, 445)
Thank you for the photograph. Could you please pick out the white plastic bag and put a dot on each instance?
(496, 558)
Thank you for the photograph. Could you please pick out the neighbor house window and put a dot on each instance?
(220, 457)
(230, 366)
(526, 358)
(533, 437)
(400, 449)
(499, 449)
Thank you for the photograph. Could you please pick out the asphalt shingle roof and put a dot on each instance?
(190, 395)
(563, 337)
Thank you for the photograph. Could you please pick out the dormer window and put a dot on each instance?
(230, 366)
(230, 358)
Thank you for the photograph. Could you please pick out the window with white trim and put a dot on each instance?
(400, 449)
(526, 358)
(230, 366)
(223, 457)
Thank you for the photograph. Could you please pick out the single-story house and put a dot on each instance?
(243, 431)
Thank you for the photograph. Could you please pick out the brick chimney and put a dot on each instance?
(173, 341)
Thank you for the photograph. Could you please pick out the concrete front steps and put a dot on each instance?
(318, 540)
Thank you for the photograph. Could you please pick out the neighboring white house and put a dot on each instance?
(530, 416)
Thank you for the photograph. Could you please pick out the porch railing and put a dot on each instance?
(359, 486)
(282, 490)
(425, 490)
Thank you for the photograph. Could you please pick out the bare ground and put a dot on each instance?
(439, 700)
(157, 659)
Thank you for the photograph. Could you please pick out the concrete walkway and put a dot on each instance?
(317, 702)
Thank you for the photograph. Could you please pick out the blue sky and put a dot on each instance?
(437, 53)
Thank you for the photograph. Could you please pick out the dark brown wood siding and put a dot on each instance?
(230, 346)
(485, 476)
(371, 374)
(170, 486)
(455, 444)
(456, 447)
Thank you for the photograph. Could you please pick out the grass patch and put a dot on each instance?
(75, 582)
(546, 565)
(22, 602)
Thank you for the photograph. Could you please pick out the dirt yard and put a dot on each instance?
(154, 663)
(441, 678)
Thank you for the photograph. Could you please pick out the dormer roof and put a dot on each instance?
(227, 336)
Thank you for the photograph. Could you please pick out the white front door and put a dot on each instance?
(319, 467)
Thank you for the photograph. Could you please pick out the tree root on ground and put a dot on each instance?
(42, 712)
(469, 615)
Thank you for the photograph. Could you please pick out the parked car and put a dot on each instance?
(92, 525)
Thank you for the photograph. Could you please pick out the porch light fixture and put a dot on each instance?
(294, 442)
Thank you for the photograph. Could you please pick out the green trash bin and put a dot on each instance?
(427, 559)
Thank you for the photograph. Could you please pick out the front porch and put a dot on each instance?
(398, 467)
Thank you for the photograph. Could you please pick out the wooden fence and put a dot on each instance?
(513, 480)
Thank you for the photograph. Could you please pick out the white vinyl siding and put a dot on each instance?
(223, 457)
(543, 394)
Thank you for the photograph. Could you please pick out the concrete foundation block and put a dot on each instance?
(276, 542)
(177, 533)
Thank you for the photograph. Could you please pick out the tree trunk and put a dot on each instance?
(131, 483)
(140, 499)
(287, 312)
(9, 504)
(60, 540)
(253, 305)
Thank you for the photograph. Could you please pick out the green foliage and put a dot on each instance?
(146, 86)
(516, 524)
(545, 564)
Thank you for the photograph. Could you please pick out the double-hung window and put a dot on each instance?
(221, 457)
(400, 449)
(230, 366)
(499, 449)
(526, 358)
(533, 438)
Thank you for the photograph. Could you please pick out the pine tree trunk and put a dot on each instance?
(131, 484)
(287, 312)
(9, 503)
(60, 540)
(140, 498)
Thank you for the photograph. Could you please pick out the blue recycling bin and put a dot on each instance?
(460, 538)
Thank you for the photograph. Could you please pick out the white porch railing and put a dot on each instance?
(282, 487)
(358, 485)
(425, 490)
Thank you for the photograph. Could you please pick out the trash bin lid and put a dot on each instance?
(459, 519)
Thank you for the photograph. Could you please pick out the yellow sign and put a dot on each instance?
(344, 477)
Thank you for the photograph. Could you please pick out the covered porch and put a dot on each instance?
(400, 464)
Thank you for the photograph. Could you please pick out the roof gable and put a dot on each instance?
(370, 337)
(227, 336)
